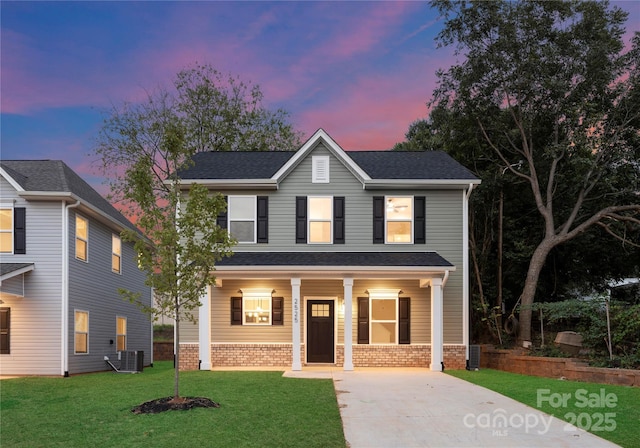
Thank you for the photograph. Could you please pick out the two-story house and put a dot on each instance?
(62, 262)
(351, 259)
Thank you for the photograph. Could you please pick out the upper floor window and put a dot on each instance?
(320, 219)
(242, 218)
(320, 169)
(81, 326)
(82, 238)
(116, 254)
(121, 333)
(399, 219)
(6, 229)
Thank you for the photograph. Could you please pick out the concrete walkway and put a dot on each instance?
(419, 408)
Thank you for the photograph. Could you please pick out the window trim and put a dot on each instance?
(11, 230)
(330, 220)
(118, 335)
(254, 220)
(114, 238)
(410, 220)
(77, 237)
(76, 332)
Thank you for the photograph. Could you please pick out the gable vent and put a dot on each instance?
(320, 169)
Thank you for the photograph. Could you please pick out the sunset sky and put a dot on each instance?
(363, 71)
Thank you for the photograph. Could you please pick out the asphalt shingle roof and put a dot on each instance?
(6, 268)
(373, 259)
(377, 164)
(56, 176)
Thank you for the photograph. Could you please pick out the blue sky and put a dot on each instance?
(363, 71)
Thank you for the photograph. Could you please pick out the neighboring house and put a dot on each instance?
(351, 259)
(62, 263)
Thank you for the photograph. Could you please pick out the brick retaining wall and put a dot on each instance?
(568, 368)
(163, 351)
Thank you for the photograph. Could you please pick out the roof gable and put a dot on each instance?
(45, 178)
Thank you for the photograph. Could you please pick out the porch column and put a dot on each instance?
(204, 330)
(295, 327)
(348, 323)
(436, 324)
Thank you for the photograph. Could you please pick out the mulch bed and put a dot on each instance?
(169, 404)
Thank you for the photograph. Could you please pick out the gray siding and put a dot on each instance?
(35, 338)
(443, 225)
(93, 287)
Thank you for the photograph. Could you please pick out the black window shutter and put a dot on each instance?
(277, 311)
(236, 310)
(419, 220)
(404, 329)
(378, 220)
(338, 220)
(363, 320)
(19, 231)
(301, 219)
(5, 347)
(221, 221)
(263, 219)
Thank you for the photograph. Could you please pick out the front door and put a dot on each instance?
(320, 334)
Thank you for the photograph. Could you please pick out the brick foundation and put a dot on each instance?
(279, 355)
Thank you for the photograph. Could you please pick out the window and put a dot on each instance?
(320, 169)
(242, 218)
(5, 325)
(383, 318)
(82, 237)
(257, 307)
(116, 254)
(81, 332)
(399, 219)
(320, 219)
(6, 229)
(121, 333)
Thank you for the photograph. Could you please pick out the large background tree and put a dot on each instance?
(142, 146)
(550, 95)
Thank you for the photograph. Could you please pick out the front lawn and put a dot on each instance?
(257, 409)
(610, 412)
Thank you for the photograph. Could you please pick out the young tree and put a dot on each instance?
(141, 148)
(551, 91)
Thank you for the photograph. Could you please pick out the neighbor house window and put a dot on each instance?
(121, 333)
(116, 253)
(82, 238)
(242, 218)
(320, 213)
(81, 332)
(399, 219)
(6, 229)
(5, 326)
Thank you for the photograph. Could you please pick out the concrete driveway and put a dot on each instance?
(420, 408)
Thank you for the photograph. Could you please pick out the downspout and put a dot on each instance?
(466, 336)
(65, 287)
(445, 278)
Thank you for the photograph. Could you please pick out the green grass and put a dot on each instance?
(257, 409)
(580, 402)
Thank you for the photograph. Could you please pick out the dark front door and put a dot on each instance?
(320, 335)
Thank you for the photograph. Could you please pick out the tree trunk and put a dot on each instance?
(176, 341)
(529, 291)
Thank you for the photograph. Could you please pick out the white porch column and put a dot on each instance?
(204, 330)
(348, 323)
(436, 324)
(295, 327)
